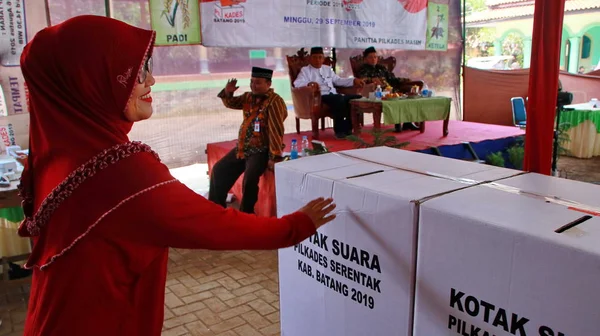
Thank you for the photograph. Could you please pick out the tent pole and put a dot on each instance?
(108, 8)
(464, 59)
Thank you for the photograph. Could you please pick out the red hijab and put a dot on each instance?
(80, 74)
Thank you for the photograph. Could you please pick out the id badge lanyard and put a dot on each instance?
(256, 125)
(256, 119)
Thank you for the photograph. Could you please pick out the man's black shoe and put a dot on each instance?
(410, 126)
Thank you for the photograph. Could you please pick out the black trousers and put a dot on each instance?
(340, 108)
(226, 172)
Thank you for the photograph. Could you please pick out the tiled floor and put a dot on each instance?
(222, 293)
(194, 177)
(208, 293)
(232, 293)
(13, 308)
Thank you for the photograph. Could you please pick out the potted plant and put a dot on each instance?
(380, 138)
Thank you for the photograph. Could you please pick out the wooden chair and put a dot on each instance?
(307, 103)
(390, 63)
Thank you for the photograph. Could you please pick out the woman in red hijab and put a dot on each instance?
(102, 210)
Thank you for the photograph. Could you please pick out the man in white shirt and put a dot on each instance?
(322, 78)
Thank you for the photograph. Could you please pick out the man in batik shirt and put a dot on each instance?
(371, 72)
(260, 139)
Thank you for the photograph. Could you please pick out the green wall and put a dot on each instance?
(594, 34)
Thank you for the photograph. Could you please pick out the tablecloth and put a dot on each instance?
(583, 132)
(415, 109)
(10, 242)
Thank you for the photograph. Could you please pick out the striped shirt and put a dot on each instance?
(269, 111)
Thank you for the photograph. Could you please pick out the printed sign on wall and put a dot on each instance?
(384, 24)
(14, 91)
(13, 33)
(176, 22)
(437, 27)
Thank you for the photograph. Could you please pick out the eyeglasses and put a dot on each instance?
(147, 68)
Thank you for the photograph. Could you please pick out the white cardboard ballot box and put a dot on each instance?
(558, 188)
(356, 276)
(494, 262)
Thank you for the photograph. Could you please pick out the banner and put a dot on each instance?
(13, 38)
(14, 130)
(384, 24)
(437, 27)
(176, 22)
(14, 91)
(13, 33)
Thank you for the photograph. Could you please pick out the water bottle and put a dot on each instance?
(294, 150)
(378, 93)
(425, 92)
(305, 146)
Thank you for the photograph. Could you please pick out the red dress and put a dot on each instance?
(103, 211)
(112, 280)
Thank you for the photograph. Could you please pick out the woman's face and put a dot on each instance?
(139, 106)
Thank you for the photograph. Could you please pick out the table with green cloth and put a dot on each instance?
(583, 130)
(402, 110)
(11, 215)
(10, 242)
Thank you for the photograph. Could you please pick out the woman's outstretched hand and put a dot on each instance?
(22, 158)
(319, 211)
